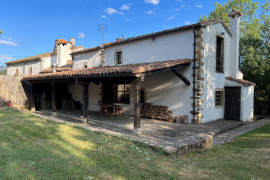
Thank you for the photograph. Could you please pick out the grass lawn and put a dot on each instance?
(34, 148)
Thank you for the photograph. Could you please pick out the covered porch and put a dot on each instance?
(127, 74)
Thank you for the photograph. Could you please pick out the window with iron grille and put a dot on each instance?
(220, 55)
(123, 93)
(118, 57)
(219, 98)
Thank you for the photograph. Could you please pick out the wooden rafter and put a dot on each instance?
(181, 76)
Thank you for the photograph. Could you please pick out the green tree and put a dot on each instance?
(249, 24)
(3, 70)
(1, 32)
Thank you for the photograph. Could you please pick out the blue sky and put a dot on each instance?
(31, 27)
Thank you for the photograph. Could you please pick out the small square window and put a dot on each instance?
(85, 65)
(219, 98)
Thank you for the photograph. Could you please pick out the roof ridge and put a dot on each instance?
(30, 58)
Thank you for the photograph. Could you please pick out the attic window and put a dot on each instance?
(118, 59)
(85, 65)
(220, 55)
(30, 70)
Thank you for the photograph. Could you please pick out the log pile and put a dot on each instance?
(156, 112)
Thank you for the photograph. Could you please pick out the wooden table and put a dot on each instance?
(108, 107)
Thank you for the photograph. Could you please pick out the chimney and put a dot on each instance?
(234, 56)
(72, 40)
(55, 50)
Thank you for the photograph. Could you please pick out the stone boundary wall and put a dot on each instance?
(12, 88)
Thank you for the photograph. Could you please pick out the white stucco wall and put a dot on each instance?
(92, 59)
(94, 97)
(164, 48)
(64, 54)
(49, 61)
(36, 67)
(213, 80)
(11, 69)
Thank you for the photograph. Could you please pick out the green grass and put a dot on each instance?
(34, 148)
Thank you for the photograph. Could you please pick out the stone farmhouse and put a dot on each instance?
(191, 70)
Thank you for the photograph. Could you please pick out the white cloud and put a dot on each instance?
(8, 43)
(199, 6)
(128, 19)
(177, 9)
(171, 17)
(110, 11)
(125, 7)
(5, 58)
(183, 5)
(103, 16)
(121, 13)
(188, 22)
(149, 12)
(155, 2)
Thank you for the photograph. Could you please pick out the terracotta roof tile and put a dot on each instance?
(31, 58)
(67, 67)
(110, 70)
(241, 81)
(63, 41)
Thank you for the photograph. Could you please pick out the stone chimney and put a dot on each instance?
(234, 57)
(55, 50)
(72, 40)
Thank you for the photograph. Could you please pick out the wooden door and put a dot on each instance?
(232, 103)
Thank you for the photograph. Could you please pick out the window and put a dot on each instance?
(17, 71)
(118, 59)
(85, 65)
(123, 93)
(220, 55)
(30, 70)
(219, 98)
(143, 96)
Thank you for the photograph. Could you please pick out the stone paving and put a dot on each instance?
(172, 137)
(230, 135)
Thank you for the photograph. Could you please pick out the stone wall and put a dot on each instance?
(12, 88)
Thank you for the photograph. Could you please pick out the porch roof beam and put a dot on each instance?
(166, 69)
(181, 76)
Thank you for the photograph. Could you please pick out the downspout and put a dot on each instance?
(194, 72)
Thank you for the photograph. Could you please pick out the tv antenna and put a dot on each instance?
(102, 29)
(81, 36)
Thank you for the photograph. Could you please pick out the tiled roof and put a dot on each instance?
(32, 58)
(241, 81)
(63, 41)
(234, 11)
(67, 67)
(178, 29)
(111, 70)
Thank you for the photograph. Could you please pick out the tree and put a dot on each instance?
(3, 70)
(254, 52)
(249, 24)
(1, 32)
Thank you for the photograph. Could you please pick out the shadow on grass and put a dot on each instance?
(32, 147)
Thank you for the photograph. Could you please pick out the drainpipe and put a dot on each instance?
(194, 72)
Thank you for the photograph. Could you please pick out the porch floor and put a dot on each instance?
(154, 129)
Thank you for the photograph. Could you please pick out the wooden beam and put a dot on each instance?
(137, 104)
(54, 113)
(55, 81)
(85, 102)
(33, 106)
(166, 69)
(97, 83)
(181, 76)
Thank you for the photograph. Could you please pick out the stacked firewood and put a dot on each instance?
(156, 112)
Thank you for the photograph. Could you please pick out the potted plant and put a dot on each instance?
(8, 103)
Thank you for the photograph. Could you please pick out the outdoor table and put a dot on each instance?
(108, 107)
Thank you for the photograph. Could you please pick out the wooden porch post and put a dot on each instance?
(85, 102)
(137, 104)
(54, 113)
(33, 107)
